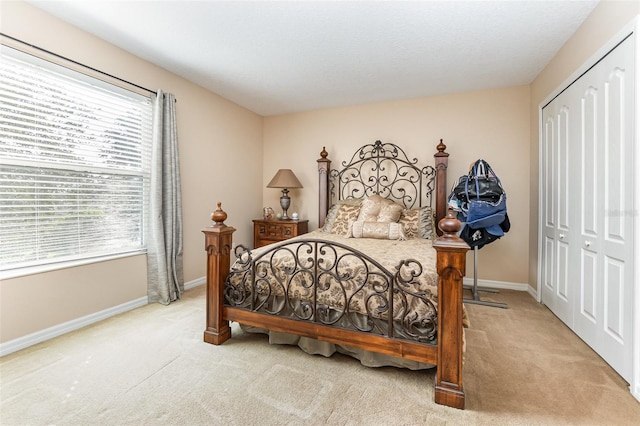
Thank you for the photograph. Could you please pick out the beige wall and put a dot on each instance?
(492, 124)
(607, 19)
(215, 135)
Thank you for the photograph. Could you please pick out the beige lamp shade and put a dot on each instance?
(284, 178)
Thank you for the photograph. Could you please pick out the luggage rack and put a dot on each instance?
(474, 288)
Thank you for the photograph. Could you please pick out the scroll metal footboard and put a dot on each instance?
(331, 284)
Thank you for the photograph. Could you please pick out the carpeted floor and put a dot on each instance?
(150, 367)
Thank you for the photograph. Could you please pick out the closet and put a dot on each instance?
(587, 208)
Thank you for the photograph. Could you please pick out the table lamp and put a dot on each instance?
(285, 179)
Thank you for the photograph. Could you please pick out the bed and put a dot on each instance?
(376, 277)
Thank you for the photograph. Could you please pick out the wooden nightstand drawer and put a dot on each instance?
(288, 231)
(271, 231)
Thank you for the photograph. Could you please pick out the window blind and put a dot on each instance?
(74, 164)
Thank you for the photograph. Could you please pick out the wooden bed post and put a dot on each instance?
(324, 165)
(451, 262)
(218, 243)
(441, 164)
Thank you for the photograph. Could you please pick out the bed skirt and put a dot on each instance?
(327, 349)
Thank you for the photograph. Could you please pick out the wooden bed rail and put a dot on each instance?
(451, 254)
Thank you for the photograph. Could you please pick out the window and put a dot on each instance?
(73, 165)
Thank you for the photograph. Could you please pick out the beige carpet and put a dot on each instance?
(150, 367)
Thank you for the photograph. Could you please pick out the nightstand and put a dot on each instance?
(271, 231)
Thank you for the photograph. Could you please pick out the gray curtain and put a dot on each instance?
(164, 227)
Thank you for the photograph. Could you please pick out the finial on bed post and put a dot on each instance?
(450, 225)
(450, 265)
(324, 165)
(219, 216)
(324, 154)
(441, 164)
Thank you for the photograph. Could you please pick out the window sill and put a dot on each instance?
(32, 270)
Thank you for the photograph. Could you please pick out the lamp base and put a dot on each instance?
(285, 202)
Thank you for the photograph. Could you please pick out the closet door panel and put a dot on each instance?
(548, 214)
(556, 289)
(549, 265)
(589, 310)
(588, 289)
(617, 242)
(562, 287)
(604, 318)
(614, 295)
(589, 166)
(550, 171)
(563, 200)
(564, 168)
(615, 160)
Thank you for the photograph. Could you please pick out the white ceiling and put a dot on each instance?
(276, 57)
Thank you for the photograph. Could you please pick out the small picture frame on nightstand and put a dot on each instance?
(267, 213)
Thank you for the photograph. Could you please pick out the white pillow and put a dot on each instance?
(379, 230)
(377, 209)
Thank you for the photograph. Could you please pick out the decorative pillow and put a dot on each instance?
(333, 212)
(418, 223)
(378, 209)
(345, 215)
(379, 230)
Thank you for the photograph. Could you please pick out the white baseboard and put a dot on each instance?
(497, 284)
(75, 324)
(195, 283)
(66, 327)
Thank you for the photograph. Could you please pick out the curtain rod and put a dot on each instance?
(77, 63)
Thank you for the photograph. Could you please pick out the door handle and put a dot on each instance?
(587, 243)
(561, 236)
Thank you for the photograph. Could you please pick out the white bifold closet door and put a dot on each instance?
(587, 207)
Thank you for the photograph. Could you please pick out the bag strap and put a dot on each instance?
(466, 188)
(482, 168)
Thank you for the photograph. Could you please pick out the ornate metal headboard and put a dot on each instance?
(386, 170)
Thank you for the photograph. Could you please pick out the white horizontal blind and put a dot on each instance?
(73, 164)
